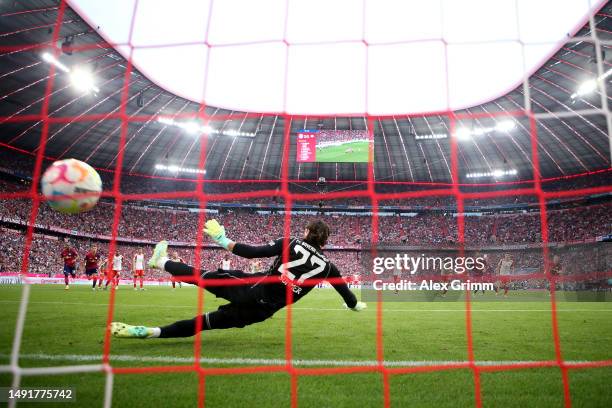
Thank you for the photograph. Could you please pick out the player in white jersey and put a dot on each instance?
(397, 276)
(176, 258)
(505, 268)
(226, 264)
(255, 266)
(446, 273)
(116, 271)
(138, 268)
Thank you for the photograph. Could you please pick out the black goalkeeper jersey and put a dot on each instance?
(305, 267)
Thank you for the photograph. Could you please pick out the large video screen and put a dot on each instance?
(333, 146)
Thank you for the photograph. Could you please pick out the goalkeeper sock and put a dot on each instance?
(161, 262)
(182, 328)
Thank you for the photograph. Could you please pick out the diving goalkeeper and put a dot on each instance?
(249, 302)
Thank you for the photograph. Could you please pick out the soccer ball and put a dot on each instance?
(68, 177)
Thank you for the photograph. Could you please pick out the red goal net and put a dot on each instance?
(527, 115)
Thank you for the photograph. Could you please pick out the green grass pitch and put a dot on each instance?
(339, 154)
(67, 328)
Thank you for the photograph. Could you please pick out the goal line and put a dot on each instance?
(270, 361)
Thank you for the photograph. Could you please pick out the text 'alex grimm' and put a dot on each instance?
(428, 284)
(412, 264)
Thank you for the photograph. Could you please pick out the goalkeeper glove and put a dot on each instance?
(216, 232)
(358, 307)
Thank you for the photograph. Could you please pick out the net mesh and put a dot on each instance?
(386, 372)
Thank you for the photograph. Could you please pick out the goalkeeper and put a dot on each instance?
(250, 301)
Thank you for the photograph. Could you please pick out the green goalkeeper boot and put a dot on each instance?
(126, 331)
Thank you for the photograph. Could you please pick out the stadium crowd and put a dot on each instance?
(44, 259)
(19, 164)
(138, 220)
(341, 136)
(44, 256)
(154, 224)
(351, 232)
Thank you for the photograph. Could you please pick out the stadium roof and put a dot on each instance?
(337, 56)
(572, 133)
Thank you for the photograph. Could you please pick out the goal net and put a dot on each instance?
(350, 67)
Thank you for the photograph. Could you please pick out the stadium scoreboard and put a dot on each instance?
(306, 146)
(333, 146)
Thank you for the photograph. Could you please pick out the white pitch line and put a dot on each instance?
(61, 369)
(264, 361)
(108, 390)
(320, 308)
(101, 304)
(464, 310)
(21, 316)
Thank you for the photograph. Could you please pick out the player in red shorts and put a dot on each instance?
(176, 258)
(138, 268)
(92, 263)
(226, 263)
(480, 274)
(255, 266)
(397, 277)
(505, 268)
(445, 277)
(556, 269)
(115, 272)
(69, 256)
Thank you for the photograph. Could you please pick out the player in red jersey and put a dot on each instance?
(446, 273)
(176, 258)
(138, 267)
(556, 269)
(92, 263)
(69, 256)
